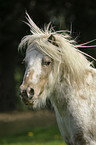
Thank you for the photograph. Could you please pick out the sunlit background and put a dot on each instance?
(20, 125)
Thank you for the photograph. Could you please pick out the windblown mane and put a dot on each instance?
(64, 53)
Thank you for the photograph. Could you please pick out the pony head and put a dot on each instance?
(51, 58)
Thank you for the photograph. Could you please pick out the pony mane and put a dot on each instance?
(65, 53)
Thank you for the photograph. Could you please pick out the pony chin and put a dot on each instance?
(40, 102)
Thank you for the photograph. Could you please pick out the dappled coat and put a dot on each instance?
(57, 70)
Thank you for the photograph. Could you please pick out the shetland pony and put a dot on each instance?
(58, 70)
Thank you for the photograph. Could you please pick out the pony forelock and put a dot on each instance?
(65, 52)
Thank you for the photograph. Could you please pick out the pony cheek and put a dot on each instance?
(40, 87)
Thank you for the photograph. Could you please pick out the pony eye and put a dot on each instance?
(47, 63)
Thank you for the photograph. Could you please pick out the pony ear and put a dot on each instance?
(52, 40)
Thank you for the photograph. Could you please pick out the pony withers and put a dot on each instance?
(58, 70)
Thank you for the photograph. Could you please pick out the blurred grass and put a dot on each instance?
(23, 132)
(36, 136)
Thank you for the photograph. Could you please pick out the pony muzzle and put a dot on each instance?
(26, 94)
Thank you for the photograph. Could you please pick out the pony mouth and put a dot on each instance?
(29, 101)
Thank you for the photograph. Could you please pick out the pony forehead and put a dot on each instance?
(32, 55)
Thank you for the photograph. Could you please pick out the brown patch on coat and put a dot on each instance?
(44, 74)
(27, 80)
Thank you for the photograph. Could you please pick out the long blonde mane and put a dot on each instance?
(64, 53)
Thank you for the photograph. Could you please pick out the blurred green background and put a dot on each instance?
(78, 15)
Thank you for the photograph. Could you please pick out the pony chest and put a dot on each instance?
(74, 117)
(69, 127)
(65, 123)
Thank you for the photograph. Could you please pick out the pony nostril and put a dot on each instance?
(23, 93)
(31, 92)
